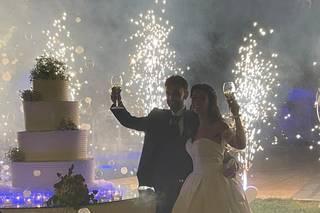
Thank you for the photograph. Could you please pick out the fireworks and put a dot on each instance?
(152, 61)
(60, 45)
(256, 79)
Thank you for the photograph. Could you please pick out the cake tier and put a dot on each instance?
(44, 174)
(53, 145)
(47, 115)
(51, 90)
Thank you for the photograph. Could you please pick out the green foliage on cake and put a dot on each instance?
(71, 191)
(15, 155)
(49, 68)
(30, 95)
(67, 125)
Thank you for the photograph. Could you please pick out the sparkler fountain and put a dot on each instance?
(152, 61)
(256, 80)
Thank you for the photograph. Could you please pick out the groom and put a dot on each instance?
(164, 162)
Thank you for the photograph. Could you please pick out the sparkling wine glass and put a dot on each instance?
(116, 82)
(229, 89)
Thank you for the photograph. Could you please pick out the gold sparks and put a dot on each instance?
(256, 78)
(152, 61)
(60, 46)
(78, 20)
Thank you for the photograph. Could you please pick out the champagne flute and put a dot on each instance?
(116, 82)
(228, 90)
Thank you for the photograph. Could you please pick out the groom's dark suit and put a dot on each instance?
(164, 162)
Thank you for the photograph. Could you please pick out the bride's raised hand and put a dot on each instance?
(234, 106)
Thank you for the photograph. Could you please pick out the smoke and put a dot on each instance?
(207, 32)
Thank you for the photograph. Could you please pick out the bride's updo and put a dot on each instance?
(213, 109)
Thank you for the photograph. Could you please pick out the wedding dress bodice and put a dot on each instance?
(206, 155)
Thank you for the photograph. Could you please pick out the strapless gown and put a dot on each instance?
(206, 189)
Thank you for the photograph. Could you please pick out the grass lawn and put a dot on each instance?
(284, 206)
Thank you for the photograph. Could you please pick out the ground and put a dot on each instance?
(292, 172)
(284, 206)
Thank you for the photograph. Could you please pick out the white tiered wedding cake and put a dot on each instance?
(47, 149)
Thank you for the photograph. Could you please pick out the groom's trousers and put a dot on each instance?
(167, 196)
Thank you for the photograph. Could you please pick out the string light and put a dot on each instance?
(17, 198)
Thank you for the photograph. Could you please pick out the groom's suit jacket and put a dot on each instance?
(164, 159)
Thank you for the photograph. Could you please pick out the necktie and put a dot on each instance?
(175, 124)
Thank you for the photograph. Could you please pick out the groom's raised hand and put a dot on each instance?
(115, 95)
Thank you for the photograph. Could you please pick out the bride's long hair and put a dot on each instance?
(213, 109)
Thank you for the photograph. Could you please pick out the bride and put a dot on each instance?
(206, 189)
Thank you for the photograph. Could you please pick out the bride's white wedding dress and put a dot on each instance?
(206, 189)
